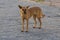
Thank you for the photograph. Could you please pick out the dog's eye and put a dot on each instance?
(24, 9)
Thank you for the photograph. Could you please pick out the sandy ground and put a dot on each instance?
(10, 22)
(56, 4)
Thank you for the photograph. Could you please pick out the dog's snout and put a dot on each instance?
(25, 11)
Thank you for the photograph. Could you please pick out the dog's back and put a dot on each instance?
(36, 11)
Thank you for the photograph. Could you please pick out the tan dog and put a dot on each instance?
(27, 12)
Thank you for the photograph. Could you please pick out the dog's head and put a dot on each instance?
(23, 9)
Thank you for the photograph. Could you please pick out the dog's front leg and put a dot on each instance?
(27, 25)
(22, 25)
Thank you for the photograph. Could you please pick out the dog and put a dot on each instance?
(27, 13)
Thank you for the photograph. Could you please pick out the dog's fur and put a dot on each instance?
(27, 12)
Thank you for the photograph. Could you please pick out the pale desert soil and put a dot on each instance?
(56, 4)
(10, 22)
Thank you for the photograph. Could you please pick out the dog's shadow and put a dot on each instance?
(35, 32)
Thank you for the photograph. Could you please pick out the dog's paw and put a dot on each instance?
(34, 27)
(26, 31)
(39, 27)
(22, 31)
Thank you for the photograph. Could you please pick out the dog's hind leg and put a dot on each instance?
(35, 22)
(39, 19)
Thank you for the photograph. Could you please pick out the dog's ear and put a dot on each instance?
(28, 6)
(19, 6)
